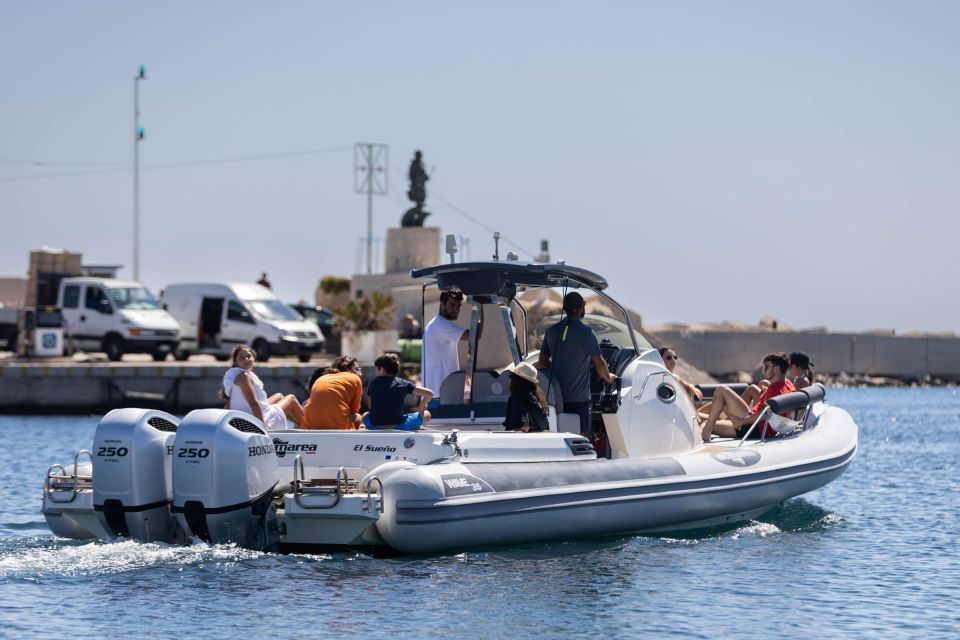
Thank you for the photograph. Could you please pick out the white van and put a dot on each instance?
(215, 318)
(116, 317)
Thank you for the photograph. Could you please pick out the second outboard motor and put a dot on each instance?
(224, 475)
(132, 485)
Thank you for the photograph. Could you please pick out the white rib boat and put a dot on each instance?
(220, 476)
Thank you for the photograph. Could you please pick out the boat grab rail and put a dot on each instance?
(760, 417)
(373, 500)
(340, 487)
(75, 479)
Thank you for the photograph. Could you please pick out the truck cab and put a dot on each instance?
(115, 317)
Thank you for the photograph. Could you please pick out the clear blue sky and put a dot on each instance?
(715, 160)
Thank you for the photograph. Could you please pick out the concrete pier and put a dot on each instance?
(67, 387)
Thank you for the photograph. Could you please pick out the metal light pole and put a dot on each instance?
(137, 137)
(370, 179)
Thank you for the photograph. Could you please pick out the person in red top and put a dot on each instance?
(740, 416)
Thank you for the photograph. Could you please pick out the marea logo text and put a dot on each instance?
(283, 447)
(373, 449)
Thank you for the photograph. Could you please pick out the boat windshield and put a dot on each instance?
(616, 331)
(133, 298)
(272, 310)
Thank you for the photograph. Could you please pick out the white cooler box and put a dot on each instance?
(48, 342)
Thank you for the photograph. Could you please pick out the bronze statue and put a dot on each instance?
(415, 216)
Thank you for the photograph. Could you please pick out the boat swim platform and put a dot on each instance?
(62, 386)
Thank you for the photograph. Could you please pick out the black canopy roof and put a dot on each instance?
(503, 277)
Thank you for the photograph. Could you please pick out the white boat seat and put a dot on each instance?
(488, 386)
(451, 389)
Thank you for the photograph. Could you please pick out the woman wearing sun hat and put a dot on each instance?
(526, 408)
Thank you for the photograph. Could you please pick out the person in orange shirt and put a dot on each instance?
(335, 397)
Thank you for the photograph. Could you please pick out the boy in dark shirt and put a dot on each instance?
(386, 394)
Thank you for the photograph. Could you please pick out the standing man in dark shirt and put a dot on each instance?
(568, 349)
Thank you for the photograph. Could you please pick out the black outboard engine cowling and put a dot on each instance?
(224, 475)
(132, 479)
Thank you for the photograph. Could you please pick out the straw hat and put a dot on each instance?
(524, 370)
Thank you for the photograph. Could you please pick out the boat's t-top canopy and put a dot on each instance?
(504, 278)
(494, 285)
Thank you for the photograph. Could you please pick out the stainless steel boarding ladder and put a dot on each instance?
(61, 482)
(302, 488)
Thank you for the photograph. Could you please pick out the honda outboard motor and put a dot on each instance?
(132, 483)
(224, 475)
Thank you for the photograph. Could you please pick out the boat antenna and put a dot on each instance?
(496, 245)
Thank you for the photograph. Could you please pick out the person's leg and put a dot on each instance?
(275, 398)
(751, 395)
(724, 401)
(724, 429)
(426, 417)
(411, 422)
(291, 408)
(582, 410)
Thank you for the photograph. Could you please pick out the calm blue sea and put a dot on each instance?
(872, 555)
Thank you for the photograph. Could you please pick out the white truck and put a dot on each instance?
(116, 317)
(214, 318)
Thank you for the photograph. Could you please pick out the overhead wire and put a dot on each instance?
(153, 167)
(123, 168)
(472, 219)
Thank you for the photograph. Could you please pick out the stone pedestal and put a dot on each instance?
(411, 248)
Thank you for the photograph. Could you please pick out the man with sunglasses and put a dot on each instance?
(740, 416)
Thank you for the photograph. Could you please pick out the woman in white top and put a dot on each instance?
(244, 391)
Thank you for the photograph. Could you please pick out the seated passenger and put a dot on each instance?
(385, 398)
(740, 415)
(243, 391)
(319, 371)
(335, 397)
(750, 395)
(801, 369)
(526, 408)
(670, 358)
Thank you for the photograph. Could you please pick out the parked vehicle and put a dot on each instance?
(116, 317)
(323, 318)
(215, 317)
(8, 327)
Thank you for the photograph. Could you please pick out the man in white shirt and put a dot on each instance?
(440, 339)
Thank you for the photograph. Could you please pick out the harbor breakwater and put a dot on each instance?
(722, 353)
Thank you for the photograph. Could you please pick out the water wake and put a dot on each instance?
(41, 558)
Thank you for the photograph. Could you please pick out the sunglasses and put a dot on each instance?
(672, 358)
